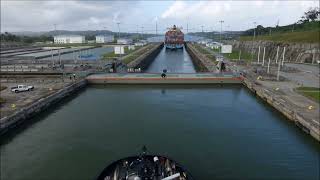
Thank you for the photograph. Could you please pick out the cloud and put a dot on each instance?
(75, 15)
(20, 15)
(238, 15)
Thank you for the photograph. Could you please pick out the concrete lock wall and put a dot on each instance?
(200, 61)
(309, 126)
(24, 114)
(295, 52)
(144, 61)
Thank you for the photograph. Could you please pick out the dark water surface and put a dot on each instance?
(174, 61)
(215, 132)
(96, 53)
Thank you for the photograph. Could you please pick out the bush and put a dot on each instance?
(2, 100)
(3, 88)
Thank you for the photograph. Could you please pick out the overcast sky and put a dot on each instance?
(140, 16)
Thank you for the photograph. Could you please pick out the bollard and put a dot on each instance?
(264, 53)
(259, 55)
(284, 51)
(277, 56)
(268, 69)
(278, 74)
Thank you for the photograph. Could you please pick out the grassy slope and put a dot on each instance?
(308, 89)
(132, 56)
(244, 55)
(305, 33)
(310, 92)
(205, 52)
(111, 55)
(234, 55)
(303, 37)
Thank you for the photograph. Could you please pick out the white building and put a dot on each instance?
(141, 43)
(66, 39)
(104, 38)
(204, 41)
(124, 41)
(131, 47)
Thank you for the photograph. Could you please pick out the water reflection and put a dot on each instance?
(175, 61)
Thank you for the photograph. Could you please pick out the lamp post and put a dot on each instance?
(141, 32)
(227, 29)
(254, 37)
(254, 30)
(221, 33)
(118, 23)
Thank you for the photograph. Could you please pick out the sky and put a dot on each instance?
(144, 16)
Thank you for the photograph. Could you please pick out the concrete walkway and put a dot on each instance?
(153, 78)
(308, 75)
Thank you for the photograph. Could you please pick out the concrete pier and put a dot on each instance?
(150, 78)
(22, 115)
(145, 59)
(200, 61)
(307, 123)
(22, 52)
(41, 54)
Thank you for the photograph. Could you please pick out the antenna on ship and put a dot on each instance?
(143, 151)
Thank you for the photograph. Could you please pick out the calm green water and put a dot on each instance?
(216, 132)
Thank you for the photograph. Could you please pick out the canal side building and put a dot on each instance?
(124, 41)
(104, 38)
(140, 43)
(66, 39)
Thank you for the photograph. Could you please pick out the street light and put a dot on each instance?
(118, 23)
(212, 33)
(254, 30)
(227, 29)
(142, 32)
(156, 27)
(221, 34)
(254, 37)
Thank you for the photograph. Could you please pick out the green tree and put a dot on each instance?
(311, 15)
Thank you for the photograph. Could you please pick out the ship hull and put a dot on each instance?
(174, 38)
(174, 46)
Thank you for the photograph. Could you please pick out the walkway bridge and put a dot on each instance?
(171, 78)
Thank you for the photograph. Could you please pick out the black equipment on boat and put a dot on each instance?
(144, 167)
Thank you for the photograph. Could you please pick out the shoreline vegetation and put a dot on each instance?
(128, 56)
(306, 32)
(312, 93)
(234, 56)
(290, 37)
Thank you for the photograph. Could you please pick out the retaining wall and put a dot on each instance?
(24, 114)
(295, 52)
